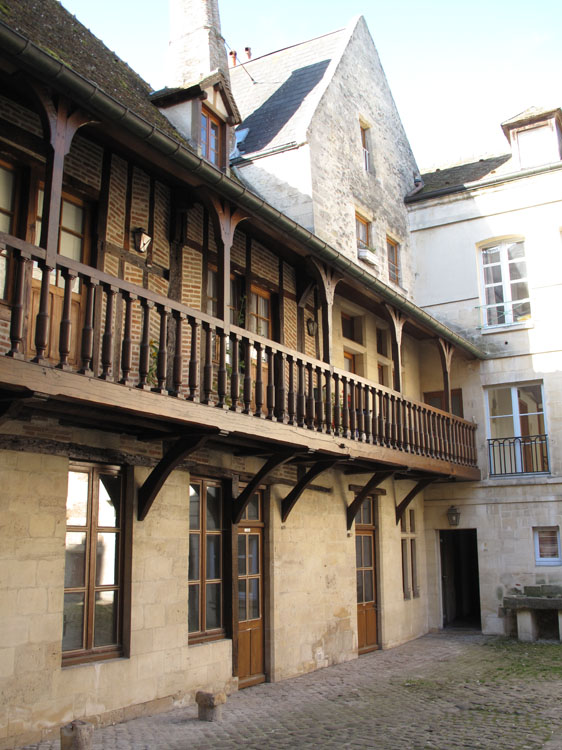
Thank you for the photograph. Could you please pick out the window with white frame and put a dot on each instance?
(547, 545)
(504, 283)
(517, 439)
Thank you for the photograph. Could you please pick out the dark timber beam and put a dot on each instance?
(171, 459)
(290, 501)
(352, 509)
(446, 352)
(398, 321)
(401, 509)
(240, 503)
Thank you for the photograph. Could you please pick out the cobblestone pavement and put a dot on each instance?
(440, 692)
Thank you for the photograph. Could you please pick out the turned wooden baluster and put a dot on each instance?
(144, 354)
(353, 410)
(328, 407)
(221, 372)
(259, 380)
(387, 419)
(318, 401)
(310, 398)
(107, 340)
(193, 373)
(337, 406)
(359, 410)
(382, 426)
(177, 369)
(291, 395)
(208, 364)
(367, 413)
(42, 319)
(235, 372)
(374, 416)
(162, 354)
(18, 316)
(87, 345)
(270, 389)
(247, 377)
(280, 389)
(65, 327)
(301, 395)
(345, 408)
(127, 343)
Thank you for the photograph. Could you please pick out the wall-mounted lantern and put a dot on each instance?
(453, 516)
(311, 326)
(141, 240)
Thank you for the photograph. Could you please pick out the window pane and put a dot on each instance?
(109, 506)
(366, 511)
(495, 316)
(412, 521)
(194, 506)
(75, 559)
(213, 553)
(72, 217)
(500, 402)
(5, 222)
(106, 559)
(242, 600)
(77, 499)
(548, 543)
(517, 250)
(193, 609)
(368, 591)
(494, 295)
(491, 255)
(358, 552)
(105, 618)
(254, 598)
(360, 586)
(519, 290)
(492, 274)
(213, 508)
(521, 311)
(253, 554)
(501, 427)
(517, 270)
(367, 551)
(213, 606)
(3, 266)
(193, 567)
(6, 190)
(73, 622)
(70, 246)
(242, 555)
(253, 508)
(531, 397)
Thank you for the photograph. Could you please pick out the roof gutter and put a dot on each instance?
(96, 100)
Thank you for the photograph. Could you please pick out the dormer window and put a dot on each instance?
(535, 137)
(536, 147)
(211, 128)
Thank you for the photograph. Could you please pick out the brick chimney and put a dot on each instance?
(196, 44)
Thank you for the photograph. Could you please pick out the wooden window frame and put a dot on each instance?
(202, 580)
(456, 394)
(208, 120)
(252, 524)
(89, 652)
(361, 222)
(349, 357)
(551, 560)
(393, 259)
(251, 315)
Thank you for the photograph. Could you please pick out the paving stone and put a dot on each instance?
(444, 691)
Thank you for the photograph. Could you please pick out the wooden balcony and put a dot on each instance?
(135, 361)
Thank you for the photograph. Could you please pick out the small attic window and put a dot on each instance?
(211, 137)
(537, 146)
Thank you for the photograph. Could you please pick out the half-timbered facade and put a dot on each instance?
(214, 439)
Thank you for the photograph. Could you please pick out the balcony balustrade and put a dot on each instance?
(144, 340)
(527, 454)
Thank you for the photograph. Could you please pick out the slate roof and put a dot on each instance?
(52, 28)
(277, 93)
(461, 174)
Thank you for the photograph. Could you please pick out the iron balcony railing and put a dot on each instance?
(527, 454)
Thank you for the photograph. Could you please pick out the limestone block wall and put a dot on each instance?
(504, 516)
(161, 671)
(358, 95)
(400, 619)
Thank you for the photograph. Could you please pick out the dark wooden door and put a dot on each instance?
(365, 553)
(251, 663)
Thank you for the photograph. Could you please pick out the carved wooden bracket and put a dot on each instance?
(401, 509)
(240, 503)
(398, 319)
(352, 509)
(171, 459)
(446, 351)
(327, 279)
(291, 500)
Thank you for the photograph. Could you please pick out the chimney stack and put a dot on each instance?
(196, 44)
(248, 51)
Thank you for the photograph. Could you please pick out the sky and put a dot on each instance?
(456, 70)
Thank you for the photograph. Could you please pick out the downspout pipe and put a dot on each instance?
(91, 96)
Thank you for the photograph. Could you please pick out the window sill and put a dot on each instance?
(92, 657)
(486, 330)
(548, 563)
